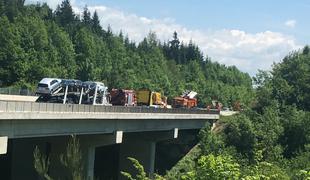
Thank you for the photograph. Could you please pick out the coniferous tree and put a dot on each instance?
(64, 13)
(108, 35)
(46, 11)
(306, 50)
(96, 24)
(13, 8)
(41, 164)
(86, 19)
(2, 7)
(72, 159)
(183, 53)
(174, 48)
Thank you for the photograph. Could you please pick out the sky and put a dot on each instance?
(251, 35)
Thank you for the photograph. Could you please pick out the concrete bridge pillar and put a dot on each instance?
(90, 162)
(89, 143)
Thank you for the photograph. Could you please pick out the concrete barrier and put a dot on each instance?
(11, 106)
(3, 106)
(5, 97)
(27, 107)
(43, 107)
(16, 106)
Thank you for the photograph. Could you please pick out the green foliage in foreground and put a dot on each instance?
(271, 140)
(225, 163)
(218, 167)
(41, 164)
(185, 165)
(214, 168)
(141, 174)
(71, 160)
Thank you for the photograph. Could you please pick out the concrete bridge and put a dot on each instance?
(122, 131)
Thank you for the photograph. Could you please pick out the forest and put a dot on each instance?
(37, 42)
(269, 139)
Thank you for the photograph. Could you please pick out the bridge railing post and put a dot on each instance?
(3, 106)
(49, 107)
(27, 106)
(11, 106)
(42, 107)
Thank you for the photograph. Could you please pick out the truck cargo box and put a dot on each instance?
(123, 97)
(148, 98)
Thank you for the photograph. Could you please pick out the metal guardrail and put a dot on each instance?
(17, 106)
(16, 91)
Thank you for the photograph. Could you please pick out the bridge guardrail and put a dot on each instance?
(18, 106)
(16, 91)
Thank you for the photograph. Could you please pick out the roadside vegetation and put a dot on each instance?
(37, 42)
(71, 162)
(269, 139)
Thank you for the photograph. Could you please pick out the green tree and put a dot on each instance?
(304, 174)
(72, 159)
(268, 130)
(34, 40)
(263, 170)
(215, 168)
(141, 174)
(11, 54)
(1, 7)
(263, 90)
(174, 48)
(61, 53)
(240, 133)
(86, 19)
(299, 165)
(96, 24)
(41, 164)
(296, 130)
(290, 79)
(210, 142)
(85, 51)
(13, 8)
(64, 13)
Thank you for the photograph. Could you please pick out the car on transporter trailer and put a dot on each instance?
(48, 85)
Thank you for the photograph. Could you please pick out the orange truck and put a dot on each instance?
(186, 100)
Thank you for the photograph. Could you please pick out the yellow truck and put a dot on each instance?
(149, 98)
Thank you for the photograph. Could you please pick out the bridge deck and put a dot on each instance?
(28, 119)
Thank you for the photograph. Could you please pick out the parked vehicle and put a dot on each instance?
(48, 85)
(95, 93)
(150, 98)
(186, 100)
(91, 86)
(123, 97)
(72, 91)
